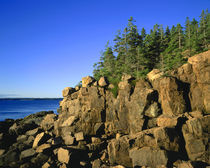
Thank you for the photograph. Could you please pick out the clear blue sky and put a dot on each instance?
(46, 45)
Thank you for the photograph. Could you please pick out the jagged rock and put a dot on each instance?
(153, 110)
(99, 128)
(118, 151)
(68, 91)
(111, 86)
(40, 139)
(124, 85)
(87, 81)
(142, 97)
(40, 159)
(96, 146)
(34, 119)
(118, 135)
(29, 141)
(48, 121)
(69, 121)
(158, 138)
(196, 133)
(46, 165)
(196, 72)
(42, 148)
(33, 132)
(152, 123)
(95, 140)
(88, 108)
(64, 155)
(21, 128)
(171, 96)
(96, 163)
(126, 77)
(79, 136)
(22, 138)
(167, 121)
(102, 82)
(185, 165)
(104, 157)
(95, 83)
(27, 153)
(20, 146)
(196, 114)
(77, 88)
(68, 140)
(148, 156)
(154, 74)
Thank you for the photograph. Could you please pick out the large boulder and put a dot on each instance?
(196, 134)
(102, 82)
(196, 72)
(140, 103)
(154, 74)
(27, 153)
(82, 113)
(148, 156)
(48, 121)
(118, 151)
(64, 155)
(166, 139)
(40, 139)
(171, 95)
(87, 81)
(68, 91)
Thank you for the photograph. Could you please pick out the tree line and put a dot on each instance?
(136, 52)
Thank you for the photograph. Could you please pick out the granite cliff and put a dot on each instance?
(161, 121)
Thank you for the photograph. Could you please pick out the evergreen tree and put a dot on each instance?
(137, 54)
(208, 28)
(188, 44)
(195, 40)
(106, 66)
(173, 54)
(203, 30)
(152, 44)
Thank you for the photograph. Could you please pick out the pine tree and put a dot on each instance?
(152, 44)
(106, 65)
(195, 40)
(208, 28)
(137, 54)
(203, 30)
(188, 34)
(173, 54)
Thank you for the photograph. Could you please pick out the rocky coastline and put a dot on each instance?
(158, 122)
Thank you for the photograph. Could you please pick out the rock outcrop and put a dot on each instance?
(161, 121)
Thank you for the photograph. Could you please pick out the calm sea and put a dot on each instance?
(19, 108)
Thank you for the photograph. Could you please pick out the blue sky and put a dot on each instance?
(46, 45)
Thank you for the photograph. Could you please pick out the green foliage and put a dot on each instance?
(115, 82)
(137, 53)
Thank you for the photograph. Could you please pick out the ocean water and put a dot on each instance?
(20, 108)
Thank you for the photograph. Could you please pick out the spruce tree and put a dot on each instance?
(203, 30)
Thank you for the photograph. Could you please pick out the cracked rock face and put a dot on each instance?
(95, 106)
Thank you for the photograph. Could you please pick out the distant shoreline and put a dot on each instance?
(30, 98)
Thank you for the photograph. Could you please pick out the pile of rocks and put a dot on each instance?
(159, 122)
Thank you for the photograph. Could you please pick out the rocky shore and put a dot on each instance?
(162, 121)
